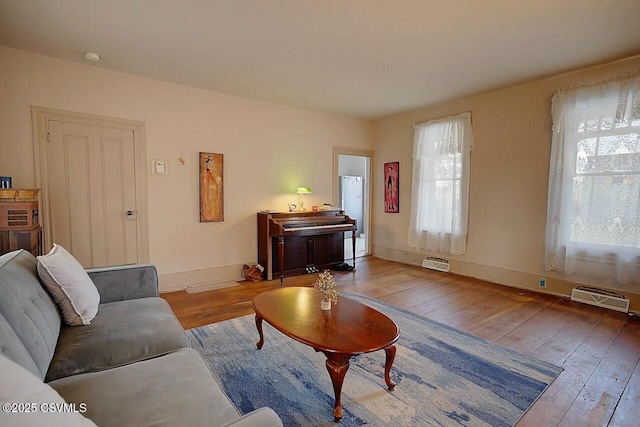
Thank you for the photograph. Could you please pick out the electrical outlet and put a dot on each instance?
(543, 282)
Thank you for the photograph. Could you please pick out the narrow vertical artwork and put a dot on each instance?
(391, 187)
(211, 187)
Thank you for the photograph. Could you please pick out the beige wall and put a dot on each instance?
(508, 183)
(269, 150)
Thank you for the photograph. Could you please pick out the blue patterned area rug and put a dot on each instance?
(443, 376)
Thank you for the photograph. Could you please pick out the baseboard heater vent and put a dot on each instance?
(600, 298)
(433, 263)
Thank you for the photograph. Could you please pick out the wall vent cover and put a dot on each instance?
(434, 263)
(600, 298)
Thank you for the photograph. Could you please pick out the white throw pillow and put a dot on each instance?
(70, 285)
(29, 402)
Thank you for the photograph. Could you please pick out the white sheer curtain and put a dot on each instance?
(593, 212)
(440, 190)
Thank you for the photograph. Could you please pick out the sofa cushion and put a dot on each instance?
(30, 321)
(70, 286)
(176, 389)
(122, 332)
(20, 387)
(123, 282)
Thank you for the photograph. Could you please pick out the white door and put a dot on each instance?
(92, 193)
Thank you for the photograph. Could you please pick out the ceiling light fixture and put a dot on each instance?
(92, 56)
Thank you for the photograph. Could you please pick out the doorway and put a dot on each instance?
(352, 193)
(92, 175)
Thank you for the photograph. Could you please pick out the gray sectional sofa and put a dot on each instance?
(132, 366)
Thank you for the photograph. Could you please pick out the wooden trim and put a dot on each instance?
(40, 117)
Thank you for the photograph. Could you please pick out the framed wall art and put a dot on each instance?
(391, 187)
(211, 187)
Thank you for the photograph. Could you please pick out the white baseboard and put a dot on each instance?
(556, 284)
(179, 281)
(497, 275)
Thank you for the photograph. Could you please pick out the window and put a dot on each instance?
(440, 190)
(593, 216)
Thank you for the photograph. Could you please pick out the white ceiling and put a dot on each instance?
(359, 58)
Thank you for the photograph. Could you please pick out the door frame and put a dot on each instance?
(368, 206)
(40, 117)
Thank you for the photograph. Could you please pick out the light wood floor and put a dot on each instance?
(599, 349)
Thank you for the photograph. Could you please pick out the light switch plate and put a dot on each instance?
(160, 167)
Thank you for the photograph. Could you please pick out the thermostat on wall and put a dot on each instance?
(160, 167)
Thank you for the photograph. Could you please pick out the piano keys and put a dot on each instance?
(299, 242)
(333, 228)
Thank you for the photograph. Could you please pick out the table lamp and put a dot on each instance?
(300, 191)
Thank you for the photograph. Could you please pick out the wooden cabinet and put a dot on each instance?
(29, 240)
(19, 221)
(19, 215)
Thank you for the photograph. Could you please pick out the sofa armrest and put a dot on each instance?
(261, 417)
(125, 282)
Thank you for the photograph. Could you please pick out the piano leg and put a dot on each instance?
(353, 239)
(281, 256)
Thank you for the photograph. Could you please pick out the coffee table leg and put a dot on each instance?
(259, 326)
(337, 365)
(391, 355)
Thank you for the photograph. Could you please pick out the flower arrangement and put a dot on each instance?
(327, 286)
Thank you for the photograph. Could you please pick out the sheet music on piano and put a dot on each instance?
(298, 242)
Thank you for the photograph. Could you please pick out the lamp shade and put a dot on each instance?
(303, 190)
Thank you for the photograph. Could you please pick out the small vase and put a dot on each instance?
(325, 304)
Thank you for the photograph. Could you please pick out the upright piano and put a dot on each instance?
(292, 243)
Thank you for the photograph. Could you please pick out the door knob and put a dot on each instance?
(129, 213)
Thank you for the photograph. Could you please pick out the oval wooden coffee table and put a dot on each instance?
(349, 328)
